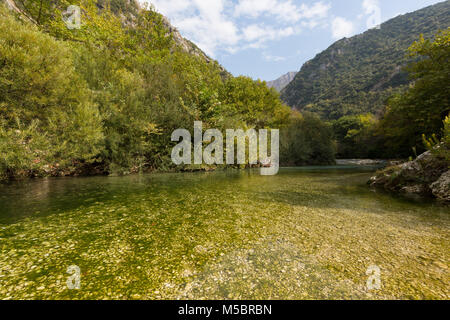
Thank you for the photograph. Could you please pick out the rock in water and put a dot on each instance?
(441, 188)
(428, 175)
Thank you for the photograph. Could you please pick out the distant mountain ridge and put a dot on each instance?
(356, 75)
(280, 83)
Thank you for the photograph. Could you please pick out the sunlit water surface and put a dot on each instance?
(307, 233)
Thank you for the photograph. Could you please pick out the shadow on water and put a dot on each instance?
(208, 235)
(43, 197)
(320, 187)
(347, 188)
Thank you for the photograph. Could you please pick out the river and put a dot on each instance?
(307, 233)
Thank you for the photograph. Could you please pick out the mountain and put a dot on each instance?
(127, 10)
(190, 47)
(282, 81)
(106, 96)
(356, 75)
(131, 7)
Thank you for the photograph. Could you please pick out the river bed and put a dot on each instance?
(307, 233)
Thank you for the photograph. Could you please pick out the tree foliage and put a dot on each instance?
(109, 95)
(307, 141)
(356, 137)
(357, 75)
(41, 94)
(425, 105)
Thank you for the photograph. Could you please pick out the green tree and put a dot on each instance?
(422, 109)
(307, 141)
(356, 137)
(111, 93)
(253, 103)
(42, 95)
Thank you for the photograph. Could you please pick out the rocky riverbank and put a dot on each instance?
(360, 162)
(427, 176)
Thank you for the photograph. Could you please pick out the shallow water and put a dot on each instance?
(307, 233)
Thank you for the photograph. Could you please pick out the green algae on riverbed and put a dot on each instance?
(303, 234)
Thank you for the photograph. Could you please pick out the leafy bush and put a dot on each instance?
(307, 141)
(41, 95)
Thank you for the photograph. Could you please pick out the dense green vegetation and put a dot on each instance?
(105, 98)
(422, 109)
(410, 118)
(307, 140)
(356, 75)
(381, 98)
(356, 137)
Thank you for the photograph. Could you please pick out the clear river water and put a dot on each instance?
(307, 233)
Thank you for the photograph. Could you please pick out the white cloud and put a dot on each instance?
(259, 33)
(285, 10)
(172, 7)
(271, 58)
(202, 21)
(229, 26)
(318, 10)
(341, 28)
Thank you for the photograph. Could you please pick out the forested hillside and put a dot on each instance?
(410, 118)
(105, 98)
(356, 75)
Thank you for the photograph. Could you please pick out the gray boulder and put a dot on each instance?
(441, 188)
(428, 175)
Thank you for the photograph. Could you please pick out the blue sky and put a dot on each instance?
(264, 39)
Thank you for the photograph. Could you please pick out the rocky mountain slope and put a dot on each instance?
(280, 83)
(127, 10)
(355, 75)
(180, 41)
(190, 47)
